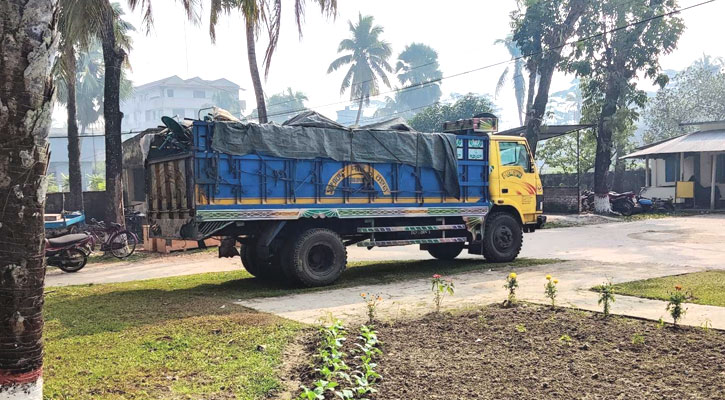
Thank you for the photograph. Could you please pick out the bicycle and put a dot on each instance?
(113, 238)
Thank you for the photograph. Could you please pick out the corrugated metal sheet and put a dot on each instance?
(713, 140)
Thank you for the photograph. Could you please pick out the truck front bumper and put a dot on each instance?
(540, 221)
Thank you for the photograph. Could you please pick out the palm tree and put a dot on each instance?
(368, 61)
(418, 64)
(518, 78)
(256, 13)
(28, 48)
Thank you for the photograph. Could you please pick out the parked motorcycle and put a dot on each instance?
(623, 203)
(69, 252)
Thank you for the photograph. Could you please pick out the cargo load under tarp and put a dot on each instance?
(311, 136)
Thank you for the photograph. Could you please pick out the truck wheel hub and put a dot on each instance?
(503, 237)
(320, 257)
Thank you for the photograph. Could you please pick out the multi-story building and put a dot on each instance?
(174, 96)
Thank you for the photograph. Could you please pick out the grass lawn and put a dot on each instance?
(182, 337)
(706, 287)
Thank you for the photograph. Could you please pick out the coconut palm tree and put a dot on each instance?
(257, 13)
(518, 79)
(28, 47)
(368, 59)
(418, 64)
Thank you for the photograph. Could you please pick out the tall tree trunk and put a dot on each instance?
(619, 169)
(254, 71)
(27, 45)
(533, 126)
(359, 111)
(113, 57)
(530, 94)
(604, 147)
(75, 199)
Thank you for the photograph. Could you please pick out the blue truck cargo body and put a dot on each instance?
(255, 186)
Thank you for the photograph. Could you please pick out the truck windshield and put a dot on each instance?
(514, 153)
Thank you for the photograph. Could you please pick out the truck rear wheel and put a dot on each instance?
(445, 251)
(316, 257)
(502, 238)
(263, 269)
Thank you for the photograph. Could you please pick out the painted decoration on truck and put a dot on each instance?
(292, 214)
(357, 174)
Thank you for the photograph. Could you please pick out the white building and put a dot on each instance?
(174, 96)
(690, 166)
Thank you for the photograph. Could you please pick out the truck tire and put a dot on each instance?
(445, 251)
(316, 257)
(263, 269)
(502, 238)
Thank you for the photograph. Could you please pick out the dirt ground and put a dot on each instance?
(509, 353)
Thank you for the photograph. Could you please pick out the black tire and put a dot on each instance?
(264, 269)
(122, 244)
(245, 253)
(445, 251)
(503, 238)
(626, 208)
(73, 260)
(317, 257)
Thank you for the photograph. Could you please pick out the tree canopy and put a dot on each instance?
(696, 94)
(431, 119)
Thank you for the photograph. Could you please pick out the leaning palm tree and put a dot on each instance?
(418, 66)
(368, 60)
(518, 78)
(28, 49)
(257, 13)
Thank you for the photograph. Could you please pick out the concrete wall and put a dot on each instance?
(93, 203)
(561, 200)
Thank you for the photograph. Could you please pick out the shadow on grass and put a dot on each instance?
(91, 309)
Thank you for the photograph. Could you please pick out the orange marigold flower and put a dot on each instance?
(678, 287)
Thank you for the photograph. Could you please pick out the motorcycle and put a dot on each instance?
(69, 252)
(623, 203)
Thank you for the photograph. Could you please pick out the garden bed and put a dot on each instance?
(533, 352)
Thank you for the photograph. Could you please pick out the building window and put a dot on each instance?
(199, 94)
(169, 92)
(720, 168)
(149, 115)
(672, 168)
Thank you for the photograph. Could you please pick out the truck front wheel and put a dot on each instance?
(502, 238)
(317, 257)
(445, 251)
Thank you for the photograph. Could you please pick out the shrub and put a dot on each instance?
(606, 297)
(511, 284)
(674, 305)
(440, 288)
(550, 289)
(371, 302)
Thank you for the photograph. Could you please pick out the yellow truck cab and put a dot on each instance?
(514, 180)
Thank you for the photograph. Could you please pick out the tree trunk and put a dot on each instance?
(533, 125)
(359, 111)
(619, 169)
(254, 71)
(604, 146)
(75, 198)
(530, 95)
(27, 44)
(112, 59)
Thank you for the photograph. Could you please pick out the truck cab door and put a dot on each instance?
(517, 176)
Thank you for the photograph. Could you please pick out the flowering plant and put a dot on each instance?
(550, 289)
(371, 301)
(511, 284)
(440, 287)
(674, 305)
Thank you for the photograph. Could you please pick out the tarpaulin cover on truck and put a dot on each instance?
(310, 135)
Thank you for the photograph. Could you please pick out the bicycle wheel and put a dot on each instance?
(122, 244)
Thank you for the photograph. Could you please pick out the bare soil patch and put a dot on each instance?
(531, 351)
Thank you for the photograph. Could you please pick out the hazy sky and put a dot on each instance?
(462, 31)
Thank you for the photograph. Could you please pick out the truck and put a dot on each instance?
(289, 199)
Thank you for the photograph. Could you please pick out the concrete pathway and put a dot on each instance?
(474, 289)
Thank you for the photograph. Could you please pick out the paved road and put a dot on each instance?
(694, 241)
